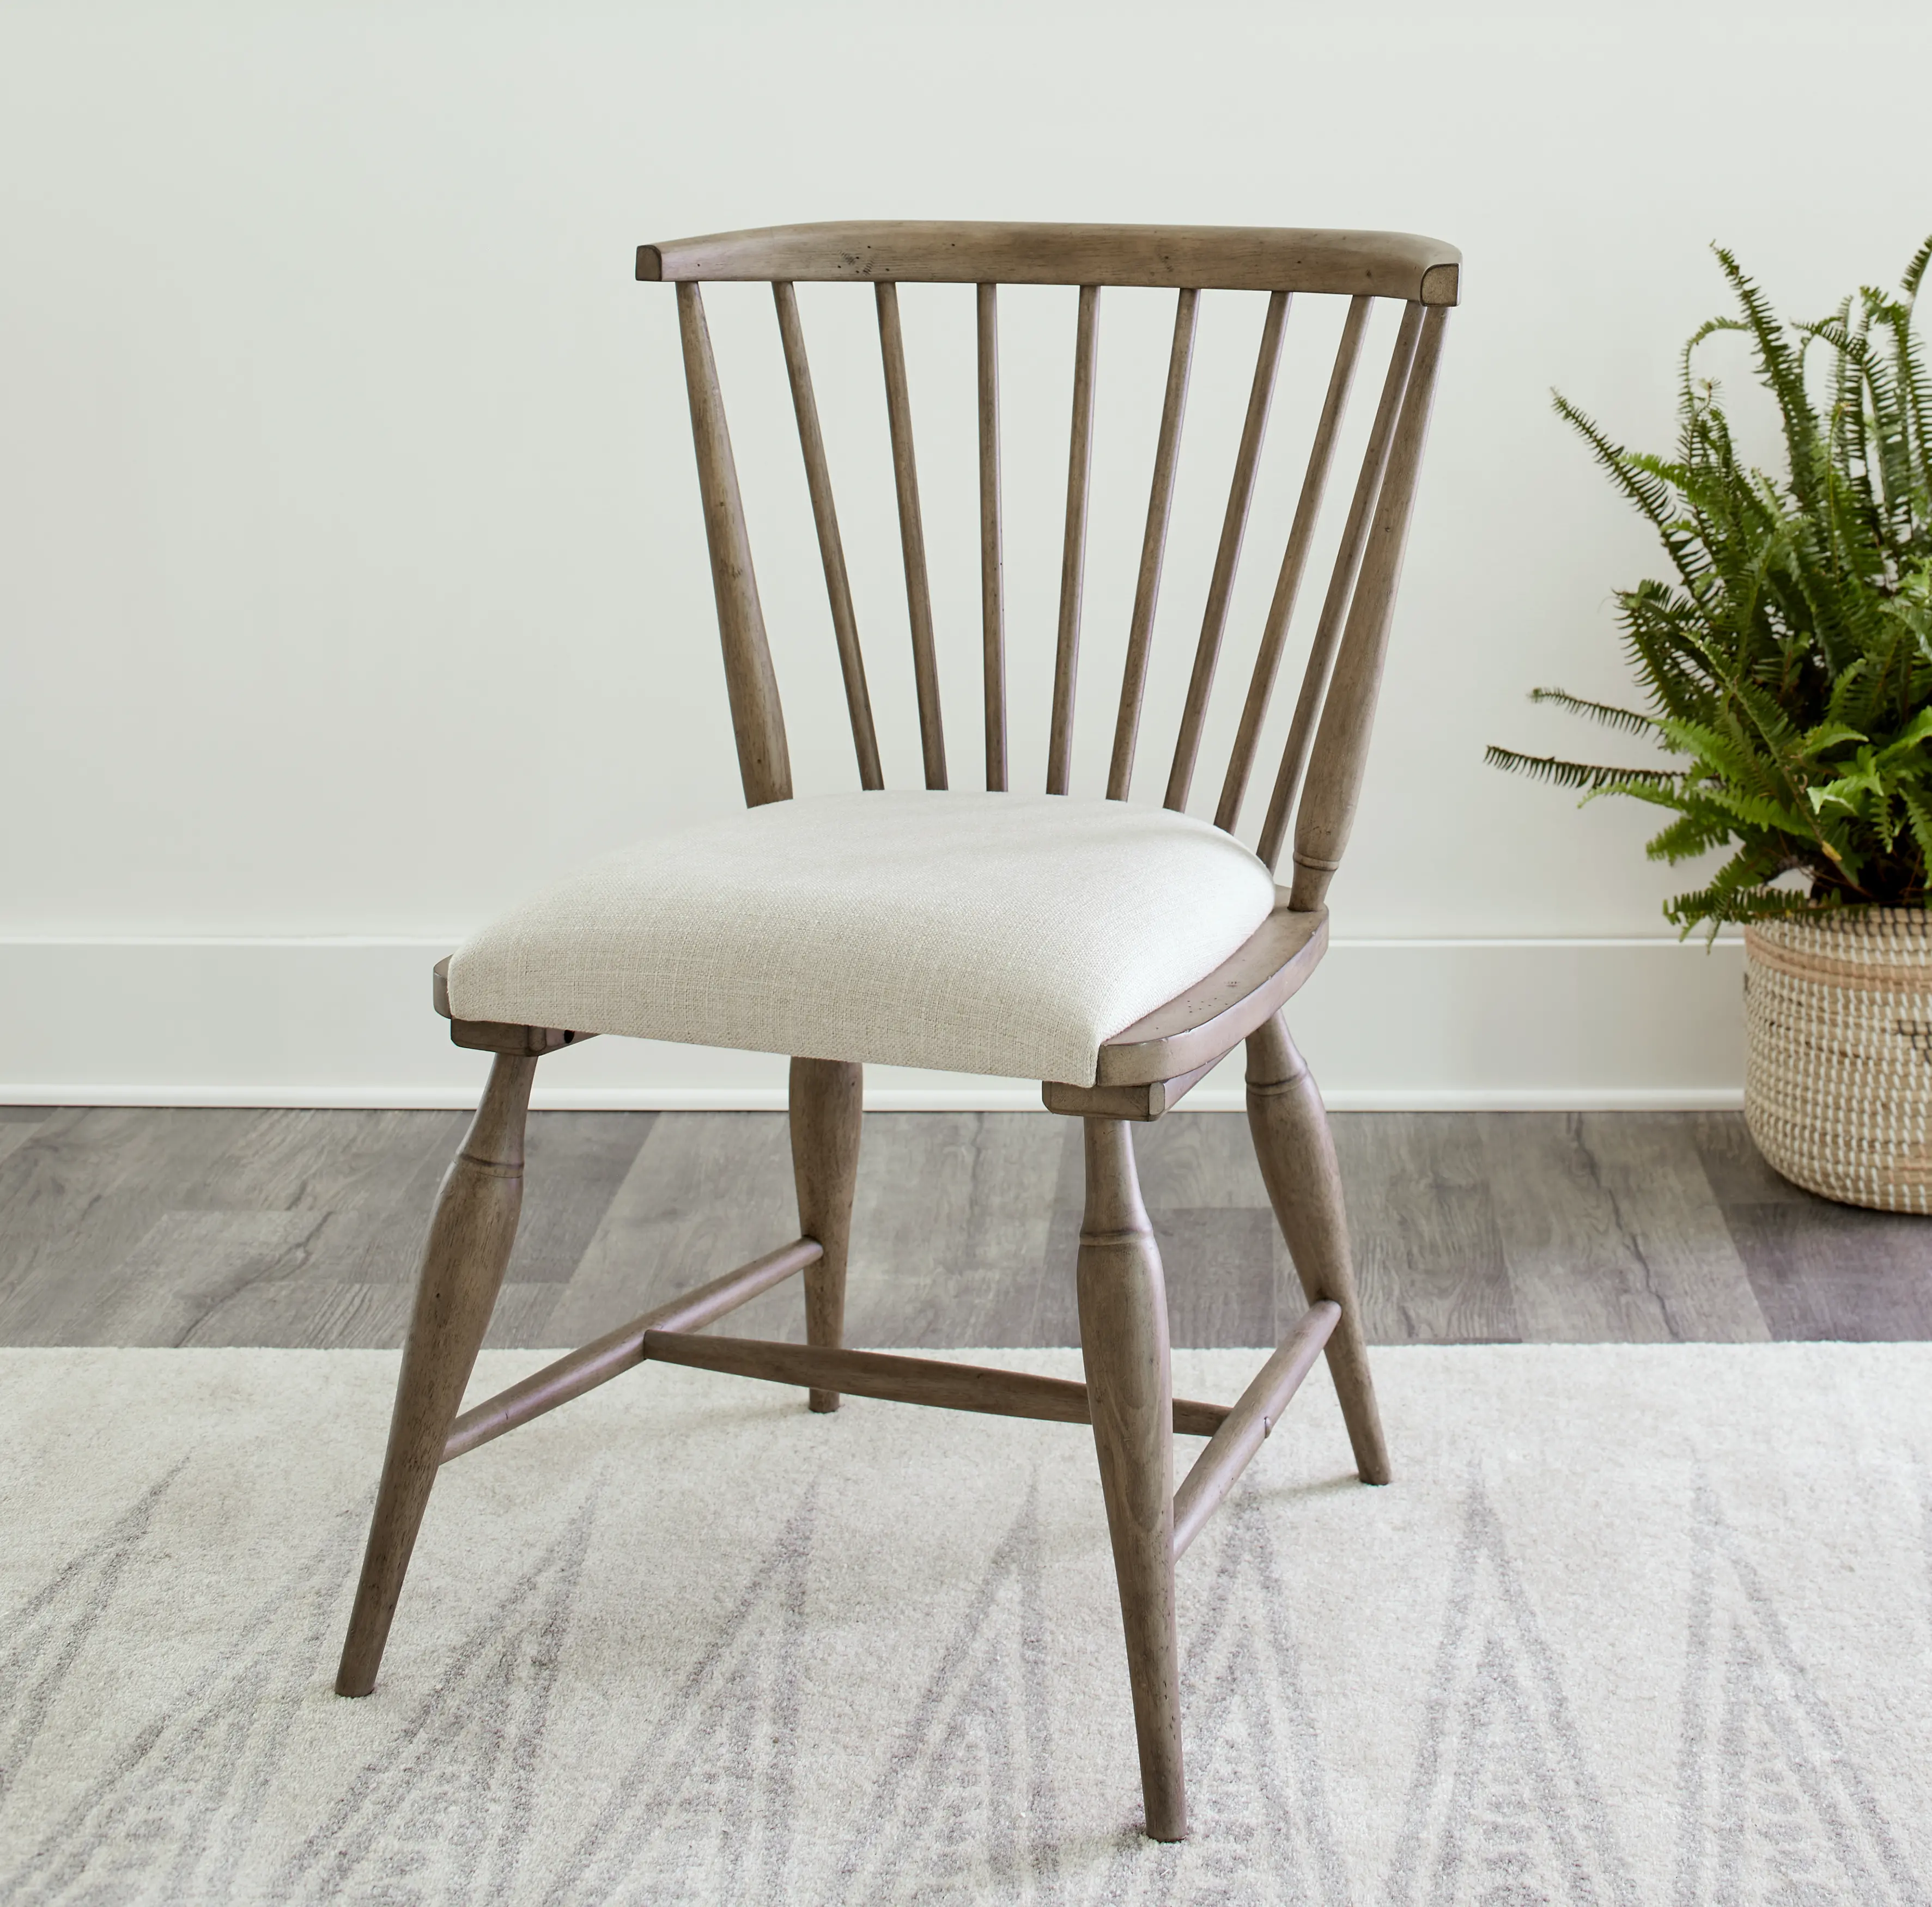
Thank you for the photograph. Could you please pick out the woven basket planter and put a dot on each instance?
(1838, 1067)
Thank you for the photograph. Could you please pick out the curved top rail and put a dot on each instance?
(1202, 257)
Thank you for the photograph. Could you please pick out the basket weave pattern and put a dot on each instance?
(1838, 1066)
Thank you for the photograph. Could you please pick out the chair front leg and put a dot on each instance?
(469, 1245)
(1124, 1338)
(827, 1103)
(1296, 1152)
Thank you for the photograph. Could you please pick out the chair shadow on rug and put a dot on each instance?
(1116, 952)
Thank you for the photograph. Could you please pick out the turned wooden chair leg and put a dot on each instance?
(470, 1241)
(827, 1099)
(1297, 1153)
(1124, 1337)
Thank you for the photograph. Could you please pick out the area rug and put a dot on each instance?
(1633, 1625)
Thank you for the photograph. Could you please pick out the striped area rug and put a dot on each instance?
(1633, 1625)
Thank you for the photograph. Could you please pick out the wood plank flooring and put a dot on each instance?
(141, 1227)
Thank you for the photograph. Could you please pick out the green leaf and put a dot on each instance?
(1830, 734)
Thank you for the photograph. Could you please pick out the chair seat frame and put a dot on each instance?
(1143, 1072)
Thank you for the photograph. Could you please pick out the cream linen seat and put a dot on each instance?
(980, 933)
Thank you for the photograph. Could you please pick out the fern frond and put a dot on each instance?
(1592, 779)
(1918, 818)
(1650, 495)
(1690, 836)
(1628, 720)
(1717, 903)
(1781, 371)
(1915, 271)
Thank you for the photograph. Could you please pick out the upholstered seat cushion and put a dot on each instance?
(980, 933)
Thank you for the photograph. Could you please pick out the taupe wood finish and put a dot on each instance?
(831, 547)
(827, 1099)
(1153, 547)
(945, 1387)
(1338, 690)
(1141, 1104)
(1296, 1152)
(912, 536)
(623, 1349)
(1123, 1341)
(1218, 1468)
(764, 764)
(1288, 584)
(1215, 1014)
(1228, 557)
(1073, 546)
(1342, 741)
(1341, 588)
(992, 575)
(1218, 257)
(469, 1245)
(497, 1036)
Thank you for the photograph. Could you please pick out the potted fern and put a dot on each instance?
(1786, 665)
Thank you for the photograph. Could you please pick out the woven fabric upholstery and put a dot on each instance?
(979, 933)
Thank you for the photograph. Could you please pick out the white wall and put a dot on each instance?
(350, 573)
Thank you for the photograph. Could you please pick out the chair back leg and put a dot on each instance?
(1123, 1339)
(469, 1245)
(1296, 1154)
(827, 1099)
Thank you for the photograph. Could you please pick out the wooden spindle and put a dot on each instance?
(1288, 584)
(992, 580)
(1341, 586)
(1123, 1343)
(1227, 558)
(1073, 550)
(1258, 1410)
(831, 549)
(623, 1349)
(758, 720)
(1342, 742)
(912, 535)
(469, 1242)
(1295, 1149)
(1153, 548)
(827, 1099)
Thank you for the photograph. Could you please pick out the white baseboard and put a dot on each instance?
(1419, 1025)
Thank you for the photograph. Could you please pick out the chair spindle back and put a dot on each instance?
(1319, 774)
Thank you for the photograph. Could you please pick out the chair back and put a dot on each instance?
(1320, 769)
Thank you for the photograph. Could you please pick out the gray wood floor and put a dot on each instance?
(140, 1227)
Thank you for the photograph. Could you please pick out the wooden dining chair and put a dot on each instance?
(1114, 951)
